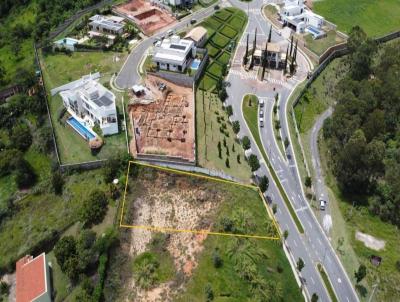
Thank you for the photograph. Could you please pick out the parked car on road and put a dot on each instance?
(322, 204)
(193, 21)
(261, 113)
(261, 103)
(261, 122)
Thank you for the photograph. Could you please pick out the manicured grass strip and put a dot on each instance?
(212, 51)
(220, 40)
(327, 283)
(214, 23)
(228, 31)
(223, 14)
(237, 22)
(223, 58)
(251, 115)
(215, 69)
(207, 82)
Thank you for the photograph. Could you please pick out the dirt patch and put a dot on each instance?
(370, 241)
(169, 201)
(147, 16)
(164, 126)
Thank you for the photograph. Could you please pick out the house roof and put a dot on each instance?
(274, 47)
(31, 278)
(107, 22)
(196, 34)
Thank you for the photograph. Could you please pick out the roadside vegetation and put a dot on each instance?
(355, 190)
(202, 267)
(250, 112)
(376, 17)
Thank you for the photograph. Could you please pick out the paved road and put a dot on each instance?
(318, 179)
(313, 246)
(128, 75)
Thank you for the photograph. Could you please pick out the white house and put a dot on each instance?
(176, 2)
(91, 102)
(295, 14)
(107, 24)
(174, 53)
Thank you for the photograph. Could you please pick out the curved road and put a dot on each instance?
(313, 246)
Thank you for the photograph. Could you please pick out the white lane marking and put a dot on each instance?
(279, 211)
(312, 280)
(347, 298)
(283, 180)
(319, 241)
(309, 223)
(287, 227)
(294, 241)
(339, 280)
(300, 209)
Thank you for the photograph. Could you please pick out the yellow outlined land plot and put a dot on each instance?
(205, 232)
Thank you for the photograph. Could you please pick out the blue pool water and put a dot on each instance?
(195, 64)
(315, 32)
(81, 129)
(67, 41)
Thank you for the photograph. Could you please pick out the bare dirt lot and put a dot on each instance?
(164, 124)
(148, 17)
(165, 200)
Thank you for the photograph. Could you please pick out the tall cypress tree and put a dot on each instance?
(286, 58)
(264, 61)
(247, 51)
(291, 47)
(255, 41)
(270, 34)
(295, 51)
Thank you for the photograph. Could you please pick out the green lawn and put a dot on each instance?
(224, 58)
(220, 40)
(208, 82)
(209, 134)
(223, 14)
(250, 112)
(215, 69)
(40, 215)
(212, 51)
(327, 283)
(59, 69)
(228, 31)
(319, 46)
(376, 17)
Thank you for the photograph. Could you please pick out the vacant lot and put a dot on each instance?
(376, 17)
(59, 69)
(151, 266)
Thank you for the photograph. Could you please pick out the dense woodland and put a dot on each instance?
(363, 134)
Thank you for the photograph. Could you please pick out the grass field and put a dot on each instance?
(219, 40)
(209, 134)
(224, 58)
(240, 259)
(212, 51)
(215, 69)
(319, 46)
(376, 17)
(59, 69)
(250, 113)
(228, 31)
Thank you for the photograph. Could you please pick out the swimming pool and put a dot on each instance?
(195, 64)
(81, 129)
(67, 41)
(315, 32)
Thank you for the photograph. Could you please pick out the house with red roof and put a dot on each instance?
(33, 279)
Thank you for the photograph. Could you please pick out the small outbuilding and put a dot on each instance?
(198, 35)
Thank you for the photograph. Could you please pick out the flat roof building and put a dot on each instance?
(174, 54)
(107, 24)
(198, 35)
(33, 279)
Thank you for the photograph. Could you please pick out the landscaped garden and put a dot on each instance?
(60, 69)
(183, 266)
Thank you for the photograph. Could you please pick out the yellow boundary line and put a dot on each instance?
(173, 230)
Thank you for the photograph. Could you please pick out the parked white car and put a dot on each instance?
(261, 122)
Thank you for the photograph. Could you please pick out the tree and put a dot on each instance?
(24, 176)
(300, 264)
(253, 162)
(360, 273)
(274, 208)
(264, 61)
(246, 142)
(286, 142)
(286, 60)
(227, 162)
(264, 183)
(217, 260)
(236, 127)
(233, 148)
(229, 110)
(21, 137)
(223, 95)
(270, 34)
(308, 182)
(238, 158)
(64, 249)
(111, 169)
(285, 234)
(246, 54)
(209, 292)
(57, 182)
(94, 208)
(219, 150)
(314, 297)
(4, 288)
(2, 74)
(25, 77)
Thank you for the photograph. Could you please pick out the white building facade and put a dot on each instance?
(174, 54)
(90, 101)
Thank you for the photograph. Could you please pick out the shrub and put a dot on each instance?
(254, 163)
(21, 137)
(217, 260)
(229, 110)
(264, 183)
(209, 292)
(246, 143)
(57, 182)
(236, 127)
(227, 162)
(94, 208)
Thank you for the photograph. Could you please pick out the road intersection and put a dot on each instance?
(313, 246)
